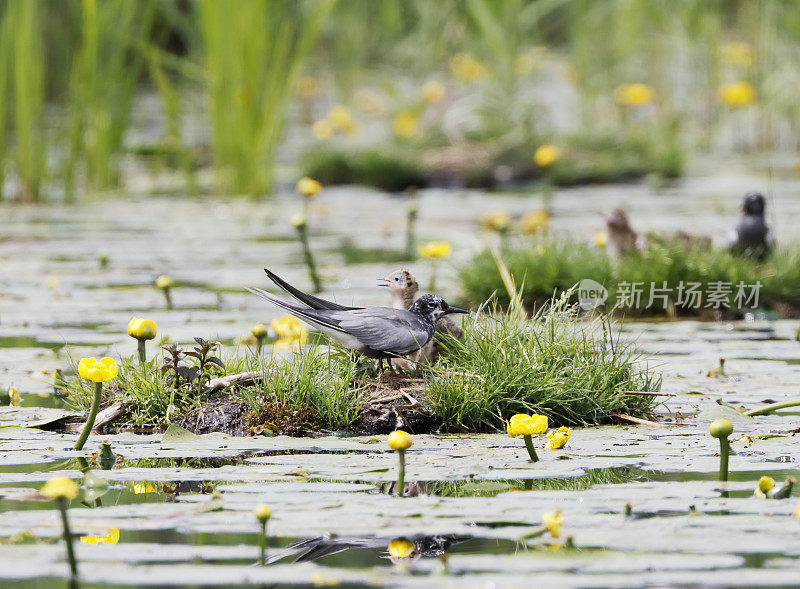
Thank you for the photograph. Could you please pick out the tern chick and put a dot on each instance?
(404, 289)
(622, 239)
(751, 236)
(375, 332)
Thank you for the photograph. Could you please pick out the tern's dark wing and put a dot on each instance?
(386, 329)
(310, 300)
(381, 329)
(306, 314)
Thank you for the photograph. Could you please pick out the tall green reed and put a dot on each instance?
(5, 69)
(105, 72)
(253, 52)
(27, 65)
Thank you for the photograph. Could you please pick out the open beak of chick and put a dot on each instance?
(383, 282)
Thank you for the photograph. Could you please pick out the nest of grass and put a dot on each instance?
(554, 363)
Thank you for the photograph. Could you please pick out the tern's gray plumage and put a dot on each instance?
(376, 332)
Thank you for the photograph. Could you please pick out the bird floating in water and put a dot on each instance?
(752, 236)
(375, 332)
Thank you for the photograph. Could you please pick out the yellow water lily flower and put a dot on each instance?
(526, 425)
(534, 222)
(737, 53)
(163, 282)
(61, 487)
(289, 327)
(405, 125)
(497, 221)
(98, 370)
(797, 511)
(737, 94)
(340, 118)
(552, 521)
(13, 397)
(143, 488)
(259, 331)
(601, 239)
(308, 186)
(262, 512)
(546, 155)
(401, 548)
(435, 249)
(308, 87)
(558, 439)
(322, 129)
(433, 91)
(112, 537)
(765, 485)
(636, 94)
(142, 329)
(466, 67)
(400, 440)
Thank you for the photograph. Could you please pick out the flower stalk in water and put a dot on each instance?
(263, 513)
(98, 371)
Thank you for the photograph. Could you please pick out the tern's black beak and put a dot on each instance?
(455, 310)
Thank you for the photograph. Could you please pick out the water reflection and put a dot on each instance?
(395, 549)
(490, 488)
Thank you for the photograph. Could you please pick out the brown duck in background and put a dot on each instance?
(404, 289)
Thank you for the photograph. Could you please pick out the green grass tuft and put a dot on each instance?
(549, 266)
(552, 364)
(384, 168)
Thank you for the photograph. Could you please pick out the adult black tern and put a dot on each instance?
(375, 332)
(404, 289)
(751, 236)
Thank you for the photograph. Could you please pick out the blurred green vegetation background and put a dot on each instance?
(449, 92)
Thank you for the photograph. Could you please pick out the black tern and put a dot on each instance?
(404, 289)
(375, 332)
(751, 236)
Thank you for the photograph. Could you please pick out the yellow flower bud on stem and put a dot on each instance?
(263, 513)
(62, 490)
(721, 429)
(400, 441)
(87, 428)
(165, 283)
(302, 232)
